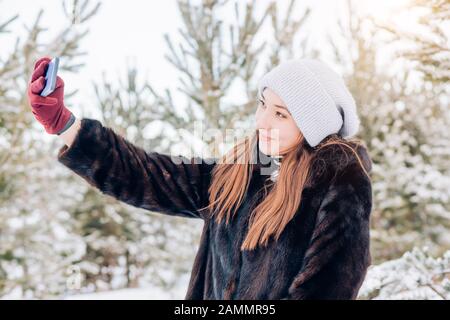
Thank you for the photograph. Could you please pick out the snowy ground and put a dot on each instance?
(132, 294)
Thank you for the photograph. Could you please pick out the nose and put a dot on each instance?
(263, 120)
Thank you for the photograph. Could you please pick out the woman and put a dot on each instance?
(288, 219)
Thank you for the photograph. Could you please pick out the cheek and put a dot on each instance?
(288, 135)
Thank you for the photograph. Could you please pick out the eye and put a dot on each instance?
(281, 115)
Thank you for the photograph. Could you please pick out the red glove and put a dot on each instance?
(50, 110)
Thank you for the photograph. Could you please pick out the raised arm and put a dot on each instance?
(159, 182)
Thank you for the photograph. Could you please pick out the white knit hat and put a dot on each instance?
(316, 96)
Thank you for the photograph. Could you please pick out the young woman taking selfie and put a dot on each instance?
(287, 219)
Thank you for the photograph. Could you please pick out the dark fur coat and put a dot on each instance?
(323, 253)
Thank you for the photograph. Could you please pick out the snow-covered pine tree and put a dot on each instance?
(37, 243)
(430, 55)
(416, 275)
(405, 124)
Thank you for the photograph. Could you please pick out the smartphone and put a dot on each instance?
(50, 77)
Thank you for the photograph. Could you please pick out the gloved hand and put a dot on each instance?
(50, 110)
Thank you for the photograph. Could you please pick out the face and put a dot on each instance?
(277, 129)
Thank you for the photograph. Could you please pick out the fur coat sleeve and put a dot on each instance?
(155, 181)
(338, 253)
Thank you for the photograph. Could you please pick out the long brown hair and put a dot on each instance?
(231, 178)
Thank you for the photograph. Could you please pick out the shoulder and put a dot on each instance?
(345, 181)
(347, 163)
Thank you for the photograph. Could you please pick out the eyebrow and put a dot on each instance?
(282, 107)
